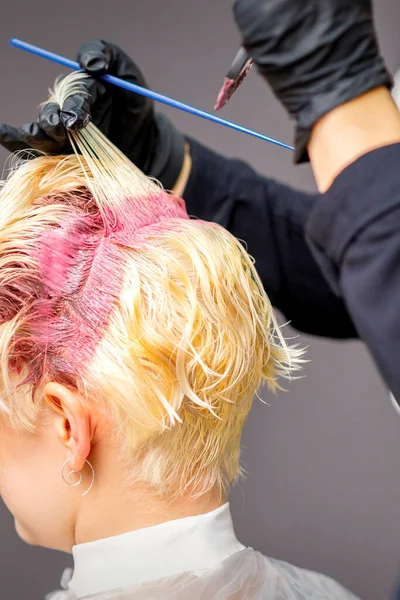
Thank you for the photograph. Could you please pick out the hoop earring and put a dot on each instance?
(80, 476)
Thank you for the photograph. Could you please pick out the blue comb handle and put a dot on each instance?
(71, 64)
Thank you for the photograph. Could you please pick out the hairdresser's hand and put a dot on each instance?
(316, 55)
(126, 118)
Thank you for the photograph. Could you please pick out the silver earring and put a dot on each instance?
(78, 473)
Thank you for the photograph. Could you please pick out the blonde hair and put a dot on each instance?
(107, 286)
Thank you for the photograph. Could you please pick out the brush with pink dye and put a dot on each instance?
(236, 74)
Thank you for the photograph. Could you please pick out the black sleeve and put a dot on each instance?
(354, 233)
(270, 218)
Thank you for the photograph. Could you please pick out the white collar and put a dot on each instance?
(189, 544)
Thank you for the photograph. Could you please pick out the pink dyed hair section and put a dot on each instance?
(66, 305)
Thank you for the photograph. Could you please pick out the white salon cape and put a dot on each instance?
(195, 558)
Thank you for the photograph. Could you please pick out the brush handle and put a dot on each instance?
(240, 62)
(132, 87)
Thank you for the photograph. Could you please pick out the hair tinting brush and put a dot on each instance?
(238, 71)
(66, 62)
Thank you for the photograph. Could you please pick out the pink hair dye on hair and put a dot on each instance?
(138, 214)
(81, 267)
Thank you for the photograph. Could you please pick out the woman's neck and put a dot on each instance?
(108, 515)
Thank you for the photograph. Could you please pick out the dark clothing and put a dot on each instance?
(271, 218)
(347, 236)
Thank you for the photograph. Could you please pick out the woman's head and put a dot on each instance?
(129, 335)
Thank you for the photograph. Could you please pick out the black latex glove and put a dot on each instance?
(315, 54)
(126, 118)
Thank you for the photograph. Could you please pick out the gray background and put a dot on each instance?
(323, 487)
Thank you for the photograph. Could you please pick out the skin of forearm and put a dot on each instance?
(348, 132)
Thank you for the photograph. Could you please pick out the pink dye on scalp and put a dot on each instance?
(67, 304)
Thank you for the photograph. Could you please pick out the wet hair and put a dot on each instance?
(108, 287)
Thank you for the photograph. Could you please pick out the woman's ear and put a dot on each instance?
(72, 421)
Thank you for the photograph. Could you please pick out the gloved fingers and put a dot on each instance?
(89, 104)
(76, 112)
(50, 122)
(35, 137)
(98, 57)
(28, 136)
(10, 138)
(95, 57)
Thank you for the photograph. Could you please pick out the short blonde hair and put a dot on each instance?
(165, 325)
